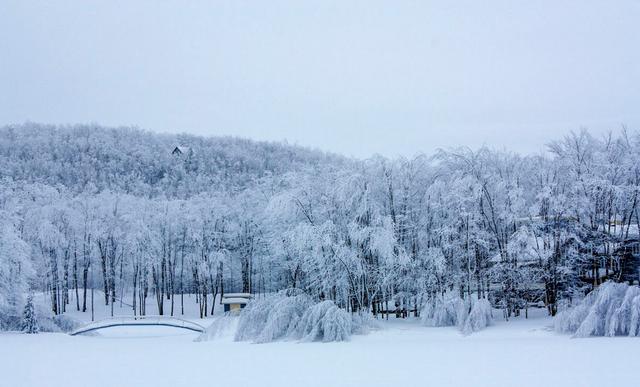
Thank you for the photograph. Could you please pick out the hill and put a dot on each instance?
(130, 160)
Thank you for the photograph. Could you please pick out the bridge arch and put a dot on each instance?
(166, 321)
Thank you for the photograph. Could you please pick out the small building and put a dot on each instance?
(234, 302)
(181, 150)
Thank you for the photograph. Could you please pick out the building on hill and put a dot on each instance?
(181, 150)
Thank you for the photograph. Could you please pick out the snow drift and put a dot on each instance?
(469, 316)
(613, 309)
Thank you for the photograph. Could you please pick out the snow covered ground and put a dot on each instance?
(516, 353)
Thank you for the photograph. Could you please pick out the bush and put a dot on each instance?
(625, 320)
(613, 309)
(451, 310)
(479, 318)
(292, 315)
(362, 323)
(324, 322)
(10, 322)
(272, 318)
(444, 311)
(220, 327)
(65, 323)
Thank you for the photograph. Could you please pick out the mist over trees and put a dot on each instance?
(87, 207)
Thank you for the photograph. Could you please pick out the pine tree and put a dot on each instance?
(29, 318)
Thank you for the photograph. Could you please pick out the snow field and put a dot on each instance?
(515, 353)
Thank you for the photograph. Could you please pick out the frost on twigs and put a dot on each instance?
(613, 309)
(292, 315)
(448, 310)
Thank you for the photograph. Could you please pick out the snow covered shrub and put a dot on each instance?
(272, 318)
(65, 323)
(479, 318)
(220, 327)
(10, 321)
(292, 315)
(324, 322)
(624, 319)
(569, 319)
(444, 311)
(34, 312)
(451, 310)
(613, 309)
(48, 322)
(362, 323)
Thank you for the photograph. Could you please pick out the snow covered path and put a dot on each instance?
(518, 353)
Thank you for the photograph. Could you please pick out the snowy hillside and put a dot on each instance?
(128, 160)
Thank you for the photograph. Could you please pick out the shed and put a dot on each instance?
(234, 302)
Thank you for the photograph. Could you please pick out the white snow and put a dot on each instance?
(234, 300)
(237, 295)
(518, 353)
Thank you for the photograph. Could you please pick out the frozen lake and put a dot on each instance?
(519, 353)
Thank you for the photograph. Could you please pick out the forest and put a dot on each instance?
(86, 209)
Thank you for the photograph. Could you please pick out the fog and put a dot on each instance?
(358, 77)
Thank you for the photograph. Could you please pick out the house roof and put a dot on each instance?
(181, 149)
(241, 295)
(234, 300)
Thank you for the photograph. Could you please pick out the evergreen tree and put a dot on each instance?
(29, 318)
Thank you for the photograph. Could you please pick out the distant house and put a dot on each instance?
(181, 150)
(234, 302)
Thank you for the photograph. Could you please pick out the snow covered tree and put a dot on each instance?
(29, 317)
(15, 272)
(613, 309)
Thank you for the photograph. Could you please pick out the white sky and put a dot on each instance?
(355, 77)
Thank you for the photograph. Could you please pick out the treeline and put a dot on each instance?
(113, 209)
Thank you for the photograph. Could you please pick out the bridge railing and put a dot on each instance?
(139, 320)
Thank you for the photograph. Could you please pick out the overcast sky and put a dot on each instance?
(355, 77)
